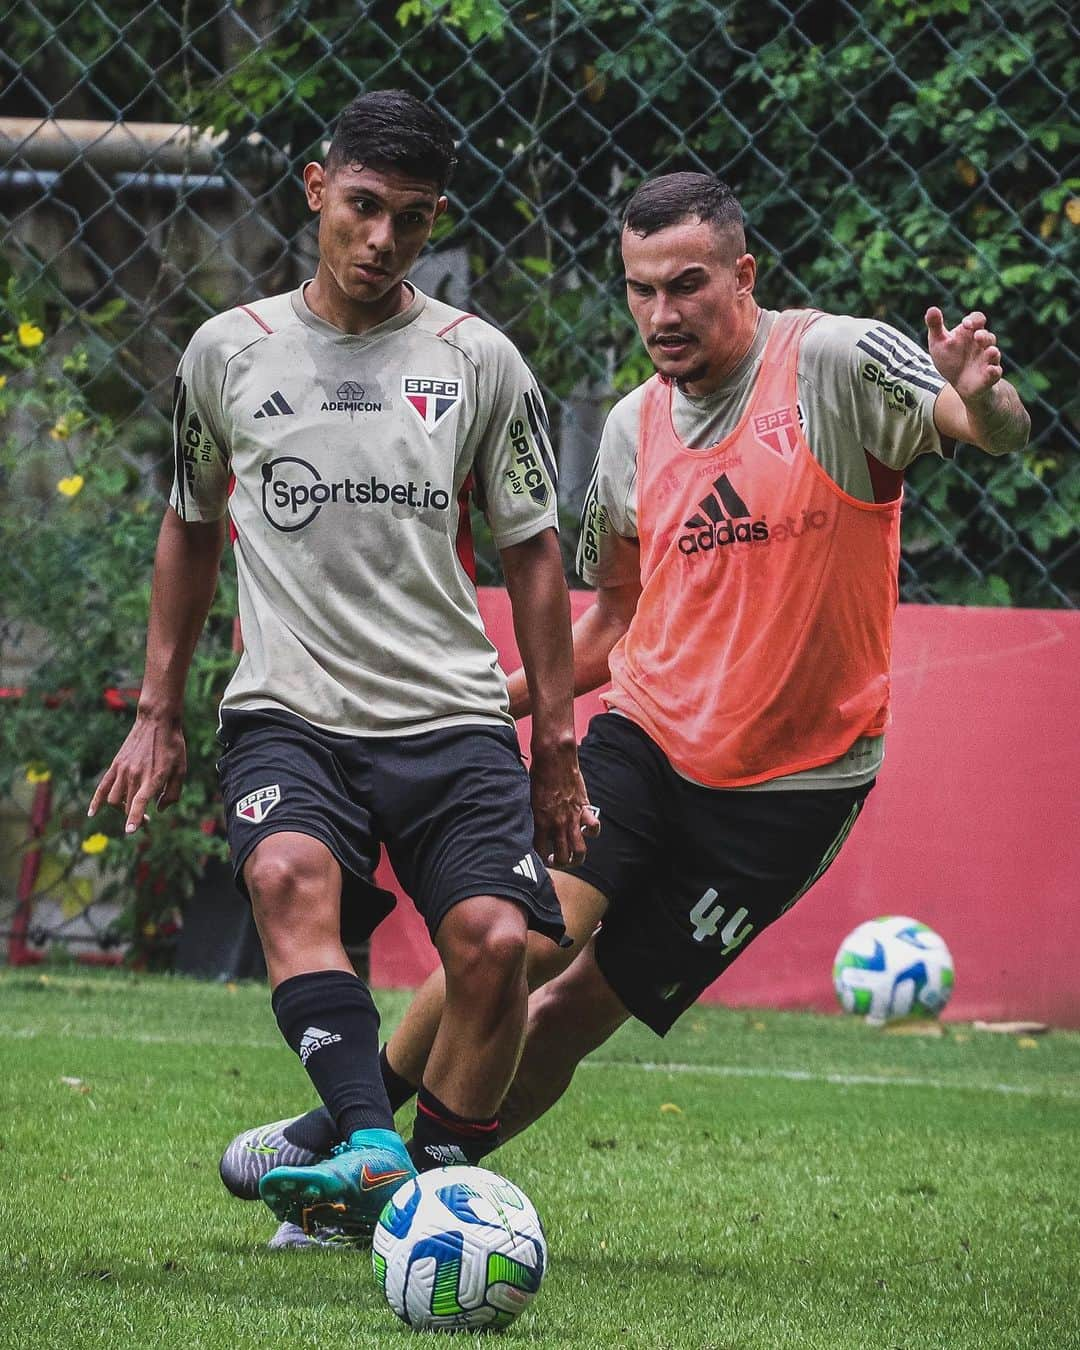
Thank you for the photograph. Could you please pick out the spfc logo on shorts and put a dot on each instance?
(257, 805)
(778, 431)
(430, 399)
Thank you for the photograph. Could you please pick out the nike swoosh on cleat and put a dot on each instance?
(260, 1145)
(369, 1180)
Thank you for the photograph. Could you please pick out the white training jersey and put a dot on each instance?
(866, 406)
(346, 464)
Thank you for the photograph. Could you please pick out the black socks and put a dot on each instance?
(398, 1089)
(318, 1131)
(442, 1138)
(329, 1019)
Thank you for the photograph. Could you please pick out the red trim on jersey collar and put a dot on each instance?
(252, 315)
(460, 319)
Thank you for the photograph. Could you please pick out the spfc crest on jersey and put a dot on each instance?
(778, 431)
(257, 805)
(429, 398)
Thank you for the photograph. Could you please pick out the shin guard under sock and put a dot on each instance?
(329, 1019)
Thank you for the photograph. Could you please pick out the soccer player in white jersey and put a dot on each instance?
(341, 430)
(742, 531)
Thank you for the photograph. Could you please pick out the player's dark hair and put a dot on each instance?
(674, 198)
(390, 129)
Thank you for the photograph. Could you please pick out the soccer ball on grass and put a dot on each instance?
(459, 1248)
(893, 967)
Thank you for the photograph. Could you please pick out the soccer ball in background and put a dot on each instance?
(893, 967)
(459, 1248)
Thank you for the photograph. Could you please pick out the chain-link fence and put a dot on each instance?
(888, 155)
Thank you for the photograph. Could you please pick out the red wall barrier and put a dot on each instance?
(972, 828)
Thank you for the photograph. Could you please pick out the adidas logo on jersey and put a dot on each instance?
(526, 868)
(722, 518)
(275, 406)
(315, 1039)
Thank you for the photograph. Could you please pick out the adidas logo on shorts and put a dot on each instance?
(527, 868)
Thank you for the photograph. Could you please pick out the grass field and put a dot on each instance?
(754, 1182)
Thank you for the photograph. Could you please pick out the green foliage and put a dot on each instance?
(476, 18)
(77, 534)
(888, 156)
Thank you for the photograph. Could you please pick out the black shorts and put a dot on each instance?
(451, 806)
(692, 874)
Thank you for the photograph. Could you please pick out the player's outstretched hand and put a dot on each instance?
(149, 766)
(563, 816)
(967, 355)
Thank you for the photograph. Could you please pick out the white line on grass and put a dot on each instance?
(835, 1079)
(69, 1032)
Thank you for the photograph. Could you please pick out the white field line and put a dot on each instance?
(834, 1079)
(74, 1033)
(69, 1032)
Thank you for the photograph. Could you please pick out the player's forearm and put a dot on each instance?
(595, 633)
(998, 421)
(995, 421)
(541, 610)
(185, 577)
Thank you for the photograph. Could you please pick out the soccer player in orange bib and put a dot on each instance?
(742, 530)
(341, 429)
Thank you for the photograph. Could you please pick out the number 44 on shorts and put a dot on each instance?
(706, 916)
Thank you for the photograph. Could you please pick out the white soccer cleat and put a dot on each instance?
(255, 1152)
(290, 1236)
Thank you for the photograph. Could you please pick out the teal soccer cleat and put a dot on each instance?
(347, 1191)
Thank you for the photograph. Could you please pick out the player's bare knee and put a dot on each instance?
(483, 945)
(286, 887)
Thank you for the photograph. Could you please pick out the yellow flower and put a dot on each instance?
(71, 487)
(3, 381)
(37, 773)
(30, 335)
(1072, 210)
(95, 843)
(62, 430)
